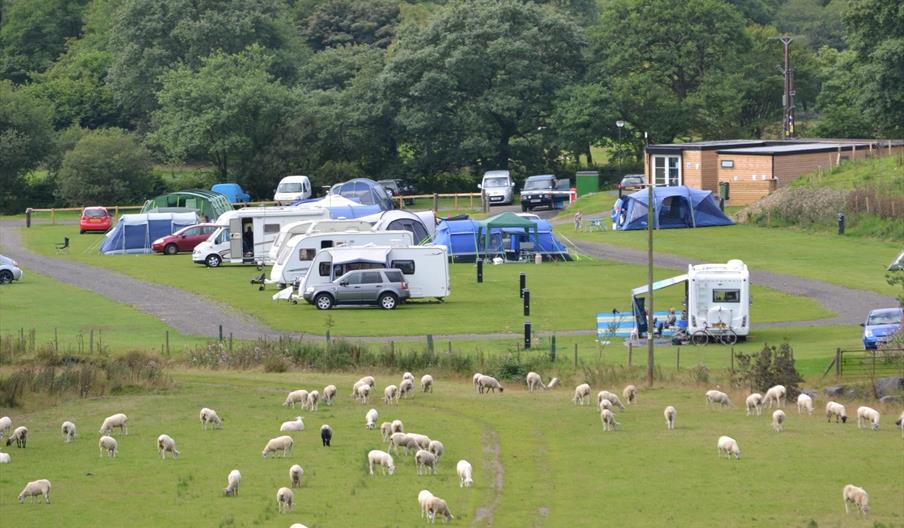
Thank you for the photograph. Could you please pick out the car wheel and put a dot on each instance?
(6, 276)
(171, 249)
(213, 260)
(81, 231)
(323, 301)
(388, 301)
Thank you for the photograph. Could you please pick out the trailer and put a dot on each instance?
(312, 226)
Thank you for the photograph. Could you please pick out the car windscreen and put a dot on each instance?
(95, 213)
(289, 187)
(632, 180)
(496, 182)
(534, 185)
(884, 318)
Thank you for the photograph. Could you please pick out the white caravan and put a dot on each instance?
(312, 226)
(244, 236)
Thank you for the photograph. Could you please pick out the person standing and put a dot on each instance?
(578, 219)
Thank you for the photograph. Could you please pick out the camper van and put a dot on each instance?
(296, 255)
(312, 226)
(291, 189)
(244, 236)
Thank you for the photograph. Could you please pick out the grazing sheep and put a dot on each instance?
(6, 425)
(280, 443)
(476, 377)
(232, 483)
(210, 417)
(295, 474)
(68, 430)
(437, 448)
(386, 430)
(382, 459)
(426, 383)
(370, 419)
(778, 420)
(406, 387)
(390, 393)
(630, 394)
(422, 497)
(366, 380)
(605, 404)
(437, 506)
(397, 427)
(108, 445)
(297, 525)
(856, 496)
(36, 488)
(900, 423)
(465, 474)
(117, 420)
(713, 397)
(775, 394)
(868, 414)
(581, 393)
(804, 403)
(836, 410)
(165, 444)
(670, 413)
(326, 435)
(608, 419)
(362, 393)
(488, 383)
(408, 376)
(755, 404)
(534, 381)
(727, 445)
(20, 436)
(296, 396)
(613, 399)
(397, 440)
(329, 393)
(4, 458)
(294, 425)
(553, 383)
(313, 401)
(422, 441)
(285, 500)
(425, 461)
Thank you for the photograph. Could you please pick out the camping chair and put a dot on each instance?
(64, 247)
(596, 224)
(259, 280)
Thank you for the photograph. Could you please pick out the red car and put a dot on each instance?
(95, 219)
(184, 239)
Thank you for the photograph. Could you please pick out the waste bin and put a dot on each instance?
(723, 190)
(587, 182)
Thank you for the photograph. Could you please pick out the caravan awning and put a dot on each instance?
(373, 255)
(658, 285)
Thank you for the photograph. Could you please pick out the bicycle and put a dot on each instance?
(724, 335)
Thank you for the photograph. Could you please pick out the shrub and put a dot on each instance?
(772, 366)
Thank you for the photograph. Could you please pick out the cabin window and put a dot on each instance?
(306, 254)
(727, 296)
(666, 171)
(326, 244)
(324, 269)
(271, 228)
(407, 266)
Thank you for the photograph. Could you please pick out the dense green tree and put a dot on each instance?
(839, 101)
(757, 11)
(815, 23)
(26, 139)
(582, 117)
(339, 22)
(33, 34)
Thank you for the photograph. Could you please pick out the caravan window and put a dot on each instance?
(324, 269)
(326, 244)
(407, 266)
(306, 254)
(271, 228)
(727, 296)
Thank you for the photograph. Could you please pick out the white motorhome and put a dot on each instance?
(312, 226)
(244, 236)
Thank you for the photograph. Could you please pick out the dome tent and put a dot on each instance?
(675, 207)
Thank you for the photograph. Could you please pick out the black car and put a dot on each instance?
(538, 191)
(398, 187)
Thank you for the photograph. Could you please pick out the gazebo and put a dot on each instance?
(505, 223)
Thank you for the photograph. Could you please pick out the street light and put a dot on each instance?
(620, 124)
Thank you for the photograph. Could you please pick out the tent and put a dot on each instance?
(461, 237)
(675, 207)
(363, 191)
(206, 203)
(897, 264)
(503, 221)
(422, 225)
(340, 207)
(135, 233)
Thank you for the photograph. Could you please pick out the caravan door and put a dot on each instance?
(235, 238)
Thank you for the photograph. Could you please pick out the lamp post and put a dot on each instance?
(620, 124)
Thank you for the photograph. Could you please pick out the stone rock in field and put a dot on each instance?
(890, 400)
(889, 386)
(834, 391)
(810, 392)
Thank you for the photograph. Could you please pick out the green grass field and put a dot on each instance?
(556, 467)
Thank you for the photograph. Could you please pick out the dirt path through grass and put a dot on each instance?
(485, 514)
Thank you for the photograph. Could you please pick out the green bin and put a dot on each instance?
(723, 190)
(587, 182)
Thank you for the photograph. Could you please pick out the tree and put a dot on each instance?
(339, 22)
(816, 21)
(26, 139)
(106, 166)
(34, 33)
(582, 117)
(839, 100)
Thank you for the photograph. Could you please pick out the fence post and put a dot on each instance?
(732, 360)
(552, 348)
(221, 333)
(470, 200)
(28, 217)
(678, 359)
(456, 201)
(91, 341)
(449, 348)
(167, 343)
(630, 353)
(230, 342)
(575, 355)
(838, 369)
(435, 203)
(430, 343)
(53, 216)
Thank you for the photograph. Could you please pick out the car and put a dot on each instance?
(9, 270)
(384, 287)
(232, 191)
(880, 326)
(95, 219)
(398, 187)
(498, 187)
(184, 239)
(632, 182)
(538, 191)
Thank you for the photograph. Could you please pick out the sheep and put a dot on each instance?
(713, 397)
(326, 435)
(426, 383)
(476, 377)
(382, 459)
(68, 430)
(804, 403)
(285, 500)
(165, 444)
(397, 440)
(210, 417)
(386, 430)
(232, 483)
(294, 425)
(297, 525)
(465, 474)
(856, 496)
(900, 423)
(608, 419)
(406, 387)
(362, 392)
(776, 394)
(605, 404)
(295, 474)
(20, 436)
(630, 394)
(868, 414)
(370, 419)
(778, 420)
(755, 404)
(534, 381)
(553, 383)
(486, 384)
(329, 392)
(408, 376)
(280, 443)
(422, 441)
(108, 445)
(729, 446)
(613, 399)
(6, 425)
(425, 462)
(436, 505)
(837, 411)
(313, 401)
(390, 393)
(4, 458)
(296, 396)
(670, 413)
(437, 448)
(422, 497)
(366, 380)
(36, 488)
(396, 427)
(581, 393)
(117, 420)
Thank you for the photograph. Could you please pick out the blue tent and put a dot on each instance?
(363, 191)
(135, 233)
(675, 207)
(460, 236)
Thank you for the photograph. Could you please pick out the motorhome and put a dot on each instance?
(244, 236)
(312, 226)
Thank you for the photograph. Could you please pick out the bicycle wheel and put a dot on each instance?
(728, 337)
(700, 338)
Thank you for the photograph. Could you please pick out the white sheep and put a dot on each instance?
(900, 423)
(382, 459)
(608, 419)
(108, 445)
(713, 397)
(36, 488)
(867, 414)
(670, 413)
(856, 496)
(465, 474)
(68, 430)
(232, 483)
(19, 436)
(804, 403)
(437, 448)
(553, 383)
(296, 396)
(6, 425)
(486, 384)
(778, 420)
(581, 393)
(313, 401)
(295, 474)
(280, 443)
(475, 378)
(422, 497)
(397, 427)
(408, 376)
(285, 500)
(297, 525)
(426, 383)
(630, 394)
(386, 430)
(406, 388)
(4, 458)
(117, 420)
(210, 417)
(370, 419)
(165, 444)
(613, 399)
(329, 393)
(775, 394)
(422, 441)
(837, 411)
(366, 380)
(754, 404)
(605, 404)
(390, 394)
(437, 506)
(294, 425)
(534, 381)
(425, 461)
(729, 446)
(397, 440)
(362, 393)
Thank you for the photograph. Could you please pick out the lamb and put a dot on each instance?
(465, 474)
(406, 388)
(900, 423)
(605, 404)
(108, 445)
(856, 496)
(313, 400)
(329, 392)
(386, 430)
(778, 420)
(804, 403)
(437, 448)
(426, 383)
(437, 506)
(366, 380)
(36, 488)
(608, 419)
(232, 483)
(297, 525)
(868, 414)
(382, 459)
(6, 425)
(280, 443)
(581, 393)
(553, 383)
(117, 420)
(362, 392)
(397, 440)
(836, 410)
(370, 419)
(68, 430)
(729, 446)
(755, 404)
(613, 399)
(326, 435)
(165, 444)
(397, 427)
(776, 394)
(713, 397)
(424, 461)
(294, 425)
(422, 497)
(670, 413)
(630, 394)
(20, 436)
(408, 376)
(285, 500)
(390, 393)
(210, 417)
(534, 381)
(295, 474)
(4, 458)
(296, 396)
(422, 441)
(476, 377)
(488, 383)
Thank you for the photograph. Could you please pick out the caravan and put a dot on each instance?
(304, 227)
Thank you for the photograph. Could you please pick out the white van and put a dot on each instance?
(291, 189)
(311, 226)
(498, 187)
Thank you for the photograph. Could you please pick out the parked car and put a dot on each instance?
(632, 182)
(184, 239)
(880, 326)
(385, 288)
(232, 191)
(538, 192)
(398, 188)
(96, 219)
(291, 189)
(498, 187)
(9, 270)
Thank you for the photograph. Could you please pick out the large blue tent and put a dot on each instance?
(674, 207)
(135, 233)
(465, 245)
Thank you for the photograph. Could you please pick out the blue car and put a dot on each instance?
(880, 326)
(232, 191)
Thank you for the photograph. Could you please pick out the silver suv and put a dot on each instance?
(385, 288)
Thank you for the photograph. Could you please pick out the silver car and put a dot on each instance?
(498, 187)
(385, 288)
(9, 270)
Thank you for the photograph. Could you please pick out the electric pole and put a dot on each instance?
(651, 215)
(788, 129)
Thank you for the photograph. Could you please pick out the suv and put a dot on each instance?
(538, 192)
(385, 288)
(881, 326)
(398, 188)
(632, 182)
